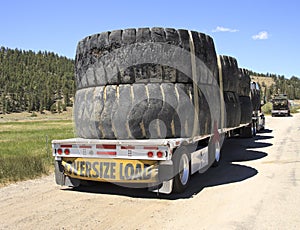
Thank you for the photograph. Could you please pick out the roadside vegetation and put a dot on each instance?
(25, 148)
(267, 108)
(35, 82)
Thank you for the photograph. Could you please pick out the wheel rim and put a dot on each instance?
(218, 151)
(184, 166)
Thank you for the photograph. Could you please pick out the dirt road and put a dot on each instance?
(257, 186)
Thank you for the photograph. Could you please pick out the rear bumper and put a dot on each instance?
(280, 112)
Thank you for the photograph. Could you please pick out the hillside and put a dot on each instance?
(272, 84)
(263, 81)
(32, 81)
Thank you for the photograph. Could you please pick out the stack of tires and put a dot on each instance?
(244, 97)
(145, 83)
(231, 79)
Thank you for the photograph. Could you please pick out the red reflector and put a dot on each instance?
(151, 147)
(160, 154)
(127, 147)
(85, 147)
(150, 154)
(106, 146)
(107, 153)
(66, 146)
(59, 151)
(67, 151)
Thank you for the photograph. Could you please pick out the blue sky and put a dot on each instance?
(263, 35)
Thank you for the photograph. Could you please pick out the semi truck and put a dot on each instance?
(280, 105)
(153, 107)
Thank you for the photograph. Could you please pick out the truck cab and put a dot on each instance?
(281, 106)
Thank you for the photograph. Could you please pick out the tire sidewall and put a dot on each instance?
(179, 155)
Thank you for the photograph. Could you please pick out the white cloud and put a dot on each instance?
(263, 35)
(224, 29)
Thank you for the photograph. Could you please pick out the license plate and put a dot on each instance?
(111, 170)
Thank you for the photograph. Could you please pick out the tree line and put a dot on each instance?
(31, 81)
(38, 81)
(281, 85)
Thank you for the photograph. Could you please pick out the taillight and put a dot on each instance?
(150, 154)
(67, 151)
(59, 151)
(160, 154)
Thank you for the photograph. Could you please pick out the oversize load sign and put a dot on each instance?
(112, 170)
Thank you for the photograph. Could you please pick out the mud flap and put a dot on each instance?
(71, 182)
(165, 171)
(59, 173)
(61, 178)
(165, 176)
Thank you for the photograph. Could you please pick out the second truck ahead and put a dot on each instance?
(280, 105)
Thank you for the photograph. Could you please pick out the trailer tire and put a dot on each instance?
(254, 128)
(182, 170)
(214, 152)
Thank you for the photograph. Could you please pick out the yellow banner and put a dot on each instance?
(111, 170)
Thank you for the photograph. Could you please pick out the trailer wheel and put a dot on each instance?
(254, 128)
(182, 170)
(214, 151)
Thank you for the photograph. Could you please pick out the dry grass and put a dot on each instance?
(25, 116)
(267, 80)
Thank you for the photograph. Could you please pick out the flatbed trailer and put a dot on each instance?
(115, 112)
(161, 165)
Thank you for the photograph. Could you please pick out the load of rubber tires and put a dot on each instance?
(151, 83)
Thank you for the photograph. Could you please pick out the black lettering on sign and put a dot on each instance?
(121, 172)
(147, 172)
(112, 170)
(88, 167)
(82, 168)
(101, 170)
(95, 169)
(138, 172)
(106, 170)
(76, 168)
(129, 171)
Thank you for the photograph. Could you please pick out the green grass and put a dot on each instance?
(267, 108)
(25, 147)
(295, 109)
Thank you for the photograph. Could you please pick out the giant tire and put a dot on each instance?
(113, 57)
(255, 96)
(230, 73)
(139, 111)
(244, 83)
(246, 109)
(233, 109)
